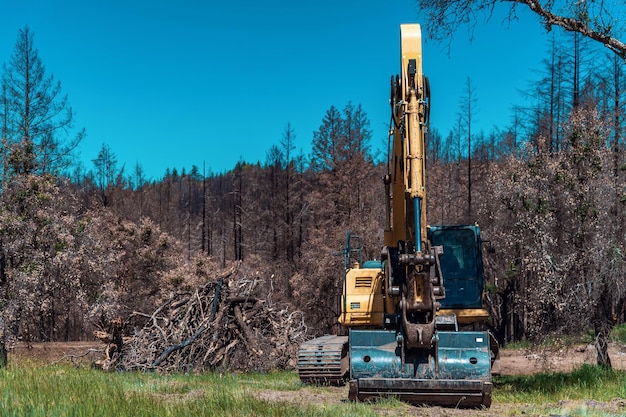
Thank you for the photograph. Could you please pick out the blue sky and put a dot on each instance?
(174, 84)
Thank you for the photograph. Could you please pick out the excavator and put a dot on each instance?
(407, 313)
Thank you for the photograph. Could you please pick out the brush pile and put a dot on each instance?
(221, 325)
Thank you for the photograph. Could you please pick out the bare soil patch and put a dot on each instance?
(53, 352)
(528, 362)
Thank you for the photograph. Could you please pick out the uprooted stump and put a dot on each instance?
(221, 325)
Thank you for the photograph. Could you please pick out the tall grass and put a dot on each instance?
(50, 391)
(619, 333)
(587, 382)
(32, 390)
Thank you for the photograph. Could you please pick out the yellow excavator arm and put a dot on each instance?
(411, 282)
(409, 101)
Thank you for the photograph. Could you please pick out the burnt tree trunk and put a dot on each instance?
(602, 344)
(3, 355)
(603, 325)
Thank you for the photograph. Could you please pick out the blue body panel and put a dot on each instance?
(455, 356)
(373, 265)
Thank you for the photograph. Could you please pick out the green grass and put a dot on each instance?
(66, 391)
(519, 345)
(587, 382)
(619, 333)
(63, 390)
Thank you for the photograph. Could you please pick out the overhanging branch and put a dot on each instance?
(574, 25)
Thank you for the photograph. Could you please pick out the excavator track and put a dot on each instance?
(324, 360)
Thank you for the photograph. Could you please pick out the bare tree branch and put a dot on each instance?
(591, 19)
(576, 25)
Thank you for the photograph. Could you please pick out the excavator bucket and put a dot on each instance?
(455, 372)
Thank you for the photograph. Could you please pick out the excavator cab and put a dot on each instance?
(462, 269)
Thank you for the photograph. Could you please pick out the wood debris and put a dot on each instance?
(221, 325)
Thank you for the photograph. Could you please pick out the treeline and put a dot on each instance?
(549, 193)
(289, 215)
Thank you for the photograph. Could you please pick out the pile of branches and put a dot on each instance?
(221, 325)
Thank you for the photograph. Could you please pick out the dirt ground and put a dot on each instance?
(53, 352)
(523, 362)
(513, 362)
